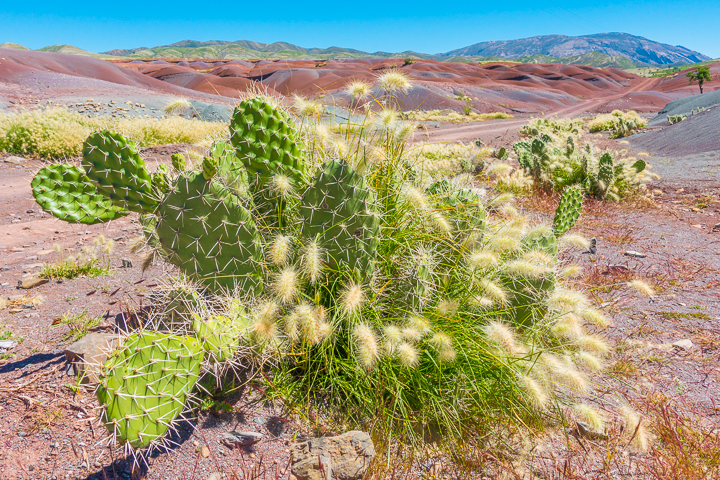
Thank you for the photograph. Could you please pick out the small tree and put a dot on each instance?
(701, 74)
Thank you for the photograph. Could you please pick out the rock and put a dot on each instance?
(215, 476)
(87, 354)
(15, 160)
(126, 263)
(31, 281)
(8, 344)
(631, 253)
(685, 344)
(240, 439)
(5, 268)
(345, 457)
(584, 430)
(204, 451)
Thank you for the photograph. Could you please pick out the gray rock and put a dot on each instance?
(8, 344)
(87, 354)
(345, 457)
(15, 160)
(31, 281)
(631, 253)
(239, 439)
(126, 263)
(685, 344)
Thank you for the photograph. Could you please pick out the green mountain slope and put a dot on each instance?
(13, 45)
(73, 51)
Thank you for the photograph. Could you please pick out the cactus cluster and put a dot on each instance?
(383, 285)
(555, 157)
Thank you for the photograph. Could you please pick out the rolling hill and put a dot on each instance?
(639, 50)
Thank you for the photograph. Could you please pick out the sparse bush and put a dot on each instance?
(453, 116)
(556, 156)
(58, 133)
(619, 124)
(700, 75)
(93, 261)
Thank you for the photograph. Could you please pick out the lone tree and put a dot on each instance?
(701, 74)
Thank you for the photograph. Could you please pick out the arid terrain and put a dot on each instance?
(666, 349)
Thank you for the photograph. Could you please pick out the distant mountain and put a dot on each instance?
(253, 50)
(13, 45)
(608, 50)
(71, 50)
(639, 50)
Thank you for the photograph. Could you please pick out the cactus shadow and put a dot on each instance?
(137, 468)
(26, 364)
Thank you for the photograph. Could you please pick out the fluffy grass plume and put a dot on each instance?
(641, 287)
(395, 81)
(180, 105)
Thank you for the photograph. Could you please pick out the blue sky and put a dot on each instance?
(428, 27)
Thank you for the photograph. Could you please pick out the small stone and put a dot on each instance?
(87, 354)
(239, 439)
(31, 281)
(6, 268)
(8, 344)
(45, 252)
(345, 456)
(260, 420)
(631, 253)
(126, 263)
(15, 160)
(204, 451)
(31, 468)
(685, 344)
(215, 476)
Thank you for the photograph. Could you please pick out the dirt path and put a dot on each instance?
(499, 129)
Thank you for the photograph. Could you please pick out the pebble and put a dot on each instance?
(240, 439)
(685, 344)
(631, 253)
(204, 451)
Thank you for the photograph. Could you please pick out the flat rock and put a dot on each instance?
(685, 344)
(239, 439)
(31, 281)
(89, 353)
(15, 160)
(631, 253)
(6, 345)
(344, 457)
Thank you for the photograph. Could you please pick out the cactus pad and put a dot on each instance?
(266, 141)
(219, 336)
(111, 161)
(339, 210)
(145, 384)
(209, 235)
(568, 210)
(68, 194)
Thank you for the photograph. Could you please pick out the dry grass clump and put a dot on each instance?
(58, 133)
(453, 116)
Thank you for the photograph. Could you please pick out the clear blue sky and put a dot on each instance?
(428, 27)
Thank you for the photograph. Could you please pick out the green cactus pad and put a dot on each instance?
(266, 142)
(209, 167)
(219, 336)
(209, 235)
(161, 180)
(340, 211)
(111, 161)
(68, 194)
(145, 384)
(568, 210)
(606, 173)
(639, 166)
(178, 162)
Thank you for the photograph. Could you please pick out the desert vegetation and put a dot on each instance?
(55, 132)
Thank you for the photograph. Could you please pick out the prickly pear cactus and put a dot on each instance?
(145, 385)
(606, 174)
(339, 211)
(68, 194)
(209, 234)
(266, 142)
(568, 210)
